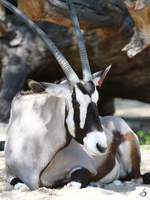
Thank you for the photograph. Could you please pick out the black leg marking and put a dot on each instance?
(82, 176)
(15, 181)
(2, 145)
(146, 178)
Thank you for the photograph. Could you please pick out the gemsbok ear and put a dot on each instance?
(35, 86)
(99, 77)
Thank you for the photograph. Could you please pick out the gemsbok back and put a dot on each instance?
(43, 121)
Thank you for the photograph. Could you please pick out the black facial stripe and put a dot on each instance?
(87, 88)
(76, 108)
(92, 121)
(68, 135)
(79, 134)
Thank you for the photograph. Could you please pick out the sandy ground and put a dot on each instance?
(127, 190)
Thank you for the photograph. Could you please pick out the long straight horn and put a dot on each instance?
(70, 74)
(83, 53)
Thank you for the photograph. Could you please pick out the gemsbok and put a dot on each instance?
(42, 122)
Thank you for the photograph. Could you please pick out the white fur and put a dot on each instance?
(83, 115)
(74, 184)
(95, 96)
(125, 158)
(92, 139)
(21, 186)
(84, 101)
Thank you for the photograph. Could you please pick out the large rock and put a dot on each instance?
(109, 40)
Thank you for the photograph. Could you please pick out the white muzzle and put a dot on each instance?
(95, 143)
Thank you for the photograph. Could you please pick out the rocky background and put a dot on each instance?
(115, 31)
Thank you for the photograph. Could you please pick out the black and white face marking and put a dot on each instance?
(87, 126)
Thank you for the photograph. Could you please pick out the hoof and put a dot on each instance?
(21, 187)
(117, 182)
(146, 178)
(74, 184)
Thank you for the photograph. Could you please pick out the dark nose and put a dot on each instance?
(100, 148)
